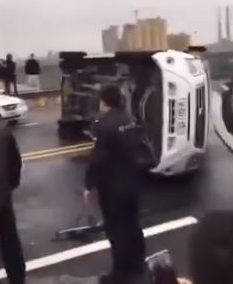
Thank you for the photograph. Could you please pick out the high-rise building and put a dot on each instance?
(149, 34)
(160, 31)
(110, 39)
(127, 39)
(146, 34)
(179, 41)
(153, 34)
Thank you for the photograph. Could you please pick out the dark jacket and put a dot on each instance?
(32, 67)
(211, 248)
(10, 69)
(10, 164)
(112, 166)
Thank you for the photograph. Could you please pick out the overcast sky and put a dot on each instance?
(40, 25)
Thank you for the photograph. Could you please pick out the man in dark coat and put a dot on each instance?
(10, 168)
(10, 75)
(32, 69)
(112, 171)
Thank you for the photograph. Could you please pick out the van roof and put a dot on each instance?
(74, 60)
(67, 55)
(70, 61)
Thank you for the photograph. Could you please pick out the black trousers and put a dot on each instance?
(8, 82)
(121, 217)
(11, 250)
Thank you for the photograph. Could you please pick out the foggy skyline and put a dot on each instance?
(28, 26)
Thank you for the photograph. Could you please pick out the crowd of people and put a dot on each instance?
(8, 73)
(113, 176)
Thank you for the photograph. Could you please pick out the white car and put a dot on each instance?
(12, 108)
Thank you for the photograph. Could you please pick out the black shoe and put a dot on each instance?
(106, 279)
(111, 278)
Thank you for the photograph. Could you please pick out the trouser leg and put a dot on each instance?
(12, 253)
(7, 87)
(128, 242)
(15, 86)
(125, 235)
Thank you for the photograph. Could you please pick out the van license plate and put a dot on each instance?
(181, 117)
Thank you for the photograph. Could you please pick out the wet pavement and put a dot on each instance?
(50, 199)
(39, 131)
(99, 263)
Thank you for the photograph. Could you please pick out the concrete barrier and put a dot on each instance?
(42, 98)
(219, 125)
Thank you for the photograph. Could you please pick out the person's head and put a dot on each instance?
(9, 57)
(32, 56)
(212, 249)
(110, 98)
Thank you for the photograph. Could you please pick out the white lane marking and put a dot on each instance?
(101, 245)
(28, 124)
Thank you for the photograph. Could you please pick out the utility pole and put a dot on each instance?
(228, 23)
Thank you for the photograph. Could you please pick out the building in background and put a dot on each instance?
(179, 41)
(127, 39)
(110, 39)
(145, 34)
(150, 34)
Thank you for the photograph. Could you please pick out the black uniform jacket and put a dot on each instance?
(112, 168)
(10, 165)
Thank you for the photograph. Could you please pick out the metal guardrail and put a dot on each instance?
(40, 93)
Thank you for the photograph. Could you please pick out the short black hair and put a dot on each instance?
(111, 96)
(9, 56)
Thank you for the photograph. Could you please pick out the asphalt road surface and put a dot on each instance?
(50, 199)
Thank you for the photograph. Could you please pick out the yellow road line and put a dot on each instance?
(54, 150)
(57, 153)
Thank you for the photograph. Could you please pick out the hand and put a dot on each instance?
(89, 196)
(184, 281)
